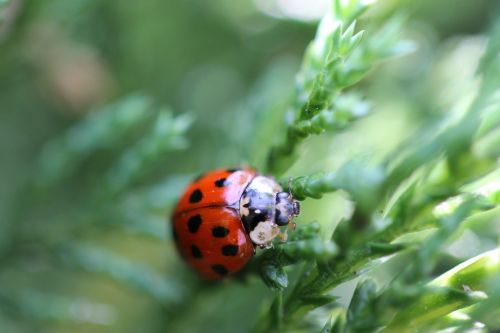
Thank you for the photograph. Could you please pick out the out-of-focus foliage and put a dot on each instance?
(386, 116)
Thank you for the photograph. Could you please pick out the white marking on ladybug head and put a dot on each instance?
(264, 232)
(282, 207)
(244, 210)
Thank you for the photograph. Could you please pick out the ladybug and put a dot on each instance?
(225, 214)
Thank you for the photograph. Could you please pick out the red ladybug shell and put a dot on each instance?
(207, 226)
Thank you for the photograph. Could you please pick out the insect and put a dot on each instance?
(225, 214)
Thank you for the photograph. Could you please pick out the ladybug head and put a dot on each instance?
(286, 208)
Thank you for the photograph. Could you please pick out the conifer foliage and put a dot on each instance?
(389, 135)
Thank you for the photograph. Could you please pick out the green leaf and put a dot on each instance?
(53, 307)
(336, 323)
(166, 135)
(458, 288)
(274, 276)
(103, 128)
(97, 260)
(362, 314)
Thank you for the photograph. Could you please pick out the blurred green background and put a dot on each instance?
(76, 257)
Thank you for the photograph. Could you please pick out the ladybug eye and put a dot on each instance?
(281, 219)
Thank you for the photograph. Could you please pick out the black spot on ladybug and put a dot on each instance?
(233, 170)
(220, 232)
(196, 196)
(230, 250)
(194, 223)
(220, 182)
(220, 269)
(195, 251)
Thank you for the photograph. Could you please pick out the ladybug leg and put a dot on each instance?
(283, 236)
